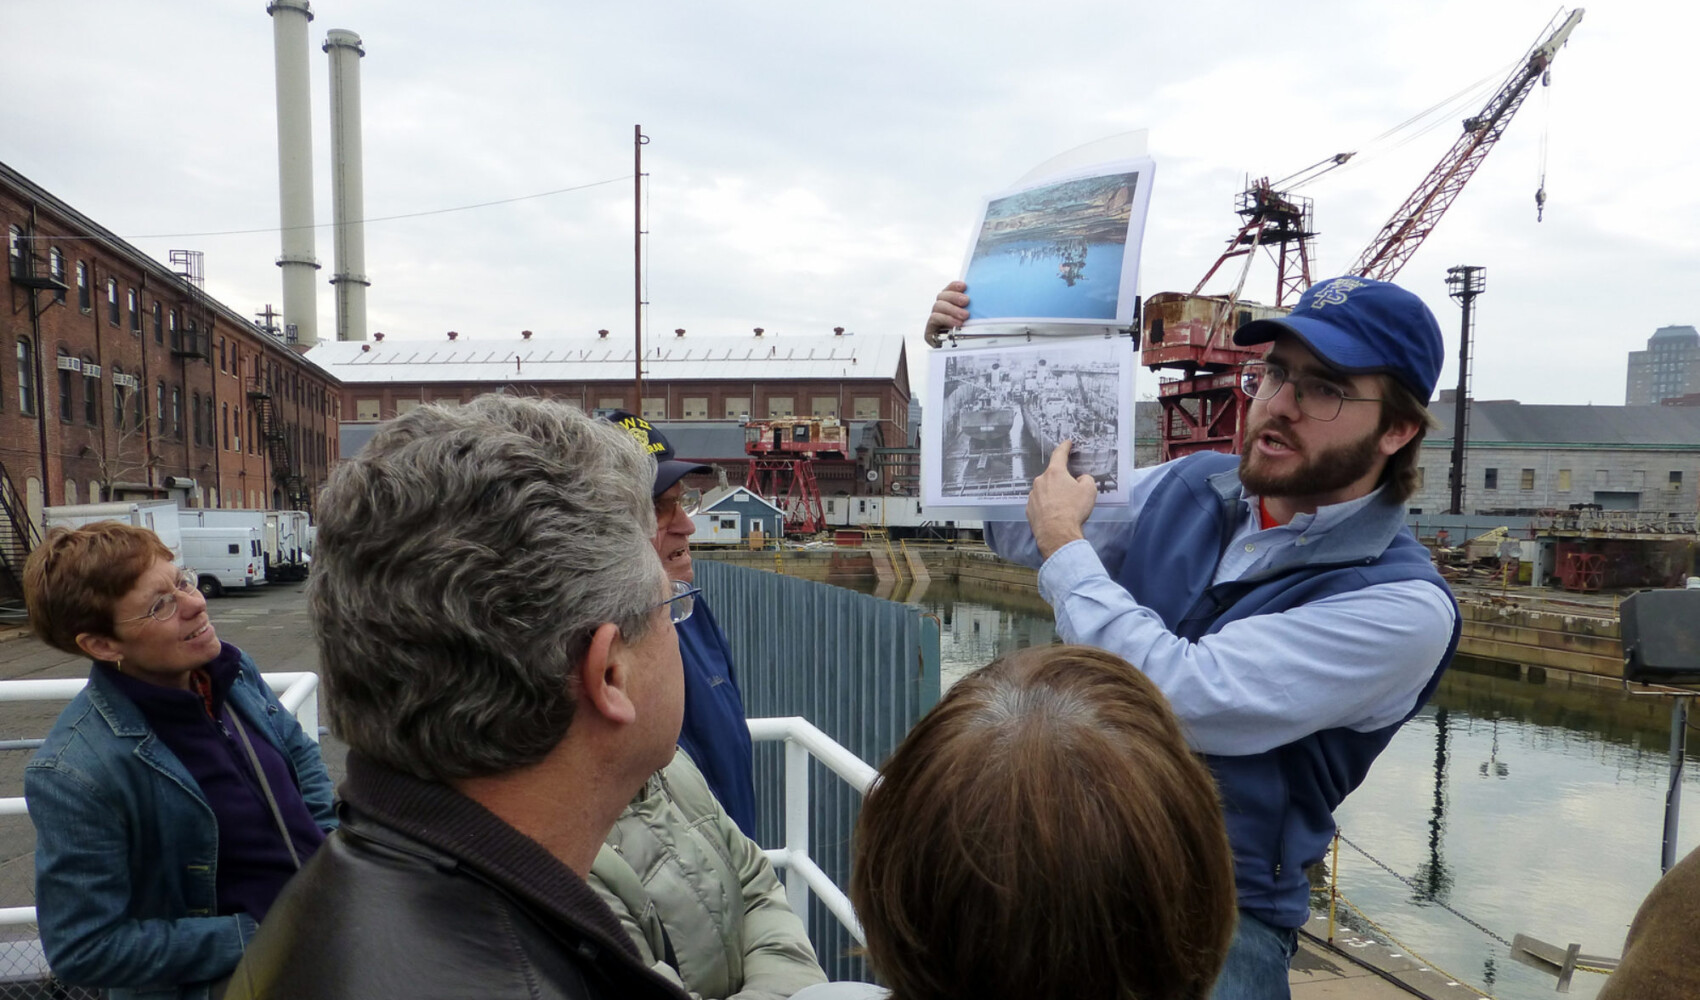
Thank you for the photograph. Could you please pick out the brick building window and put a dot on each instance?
(406, 406)
(1490, 479)
(780, 406)
(737, 408)
(171, 327)
(1675, 482)
(159, 406)
(83, 302)
(866, 408)
(112, 315)
(366, 409)
(1526, 480)
(158, 323)
(56, 269)
(195, 414)
(1422, 474)
(134, 303)
(221, 354)
(823, 407)
(695, 408)
(26, 377)
(654, 408)
(117, 397)
(176, 411)
(224, 420)
(15, 253)
(91, 392)
(66, 389)
(610, 403)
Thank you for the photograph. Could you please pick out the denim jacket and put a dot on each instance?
(126, 851)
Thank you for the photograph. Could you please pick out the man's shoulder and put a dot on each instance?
(377, 914)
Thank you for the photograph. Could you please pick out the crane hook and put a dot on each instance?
(1540, 202)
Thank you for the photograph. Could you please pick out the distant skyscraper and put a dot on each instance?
(1670, 366)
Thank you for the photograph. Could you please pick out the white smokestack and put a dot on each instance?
(295, 168)
(348, 200)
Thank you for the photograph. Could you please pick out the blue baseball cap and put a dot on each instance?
(668, 470)
(1362, 326)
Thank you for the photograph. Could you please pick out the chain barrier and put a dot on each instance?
(1334, 878)
(1427, 897)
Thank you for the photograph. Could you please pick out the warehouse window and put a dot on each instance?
(366, 409)
(824, 407)
(65, 386)
(1490, 479)
(135, 305)
(780, 406)
(696, 408)
(1526, 481)
(56, 268)
(112, 315)
(654, 408)
(26, 377)
(866, 408)
(1564, 480)
(91, 392)
(1675, 482)
(737, 408)
(610, 403)
(83, 302)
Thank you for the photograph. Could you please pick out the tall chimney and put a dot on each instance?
(295, 169)
(348, 200)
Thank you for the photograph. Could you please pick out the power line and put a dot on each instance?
(327, 225)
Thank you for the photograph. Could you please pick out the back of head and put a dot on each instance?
(464, 558)
(76, 577)
(1045, 833)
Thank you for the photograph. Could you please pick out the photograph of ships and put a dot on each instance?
(1054, 252)
(1006, 409)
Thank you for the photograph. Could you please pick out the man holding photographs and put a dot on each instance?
(1277, 599)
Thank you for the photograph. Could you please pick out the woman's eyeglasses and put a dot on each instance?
(165, 606)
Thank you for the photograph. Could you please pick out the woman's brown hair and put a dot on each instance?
(1044, 833)
(76, 576)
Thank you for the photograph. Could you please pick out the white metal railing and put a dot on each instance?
(296, 692)
(803, 740)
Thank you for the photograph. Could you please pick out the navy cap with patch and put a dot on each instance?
(668, 470)
(1362, 326)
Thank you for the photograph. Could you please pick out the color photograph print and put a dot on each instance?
(1064, 251)
(1003, 410)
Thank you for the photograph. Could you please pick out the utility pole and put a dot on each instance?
(1464, 283)
(639, 140)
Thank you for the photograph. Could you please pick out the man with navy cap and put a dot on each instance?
(714, 731)
(1277, 598)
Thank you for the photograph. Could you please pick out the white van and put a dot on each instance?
(289, 529)
(224, 558)
(158, 516)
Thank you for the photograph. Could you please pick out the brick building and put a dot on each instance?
(122, 379)
(700, 390)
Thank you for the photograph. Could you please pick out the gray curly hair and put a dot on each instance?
(464, 559)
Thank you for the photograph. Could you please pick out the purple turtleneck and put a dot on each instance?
(253, 863)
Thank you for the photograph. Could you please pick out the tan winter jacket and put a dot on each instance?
(698, 897)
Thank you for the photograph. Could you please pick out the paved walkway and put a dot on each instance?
(1361, 969)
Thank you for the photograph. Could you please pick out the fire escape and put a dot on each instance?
(296, 495)
(18, 533)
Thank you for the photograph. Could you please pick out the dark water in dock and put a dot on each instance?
(1529, 805)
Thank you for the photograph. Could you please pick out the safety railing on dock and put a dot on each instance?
(23, 967)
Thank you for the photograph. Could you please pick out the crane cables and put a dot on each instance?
(1448, 109)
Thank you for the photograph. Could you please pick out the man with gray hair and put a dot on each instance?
(495, 641)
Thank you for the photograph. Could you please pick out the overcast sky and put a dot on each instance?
(821, 165)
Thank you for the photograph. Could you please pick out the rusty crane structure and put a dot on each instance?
(1190, 334)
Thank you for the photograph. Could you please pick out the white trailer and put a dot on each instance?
(158, 516)
(291, 533)
(224, 558)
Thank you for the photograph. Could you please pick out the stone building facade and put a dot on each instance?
(1529, 458)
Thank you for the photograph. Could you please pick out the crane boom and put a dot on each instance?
(1416, 218)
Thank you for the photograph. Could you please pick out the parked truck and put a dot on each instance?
(224, 558)
(158, 516)
(283, 547)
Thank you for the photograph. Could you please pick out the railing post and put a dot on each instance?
(797, 825)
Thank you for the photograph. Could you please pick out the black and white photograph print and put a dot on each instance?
(1064, 251)
(1003, 410)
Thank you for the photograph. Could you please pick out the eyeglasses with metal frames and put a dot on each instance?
(682, 603)
(688, 500)
(1318, 398)
(165, 606)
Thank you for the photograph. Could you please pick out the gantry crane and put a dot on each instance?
(1203, 409)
